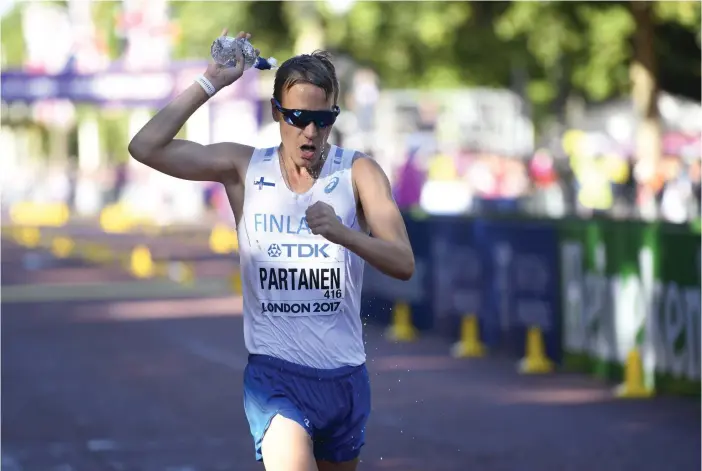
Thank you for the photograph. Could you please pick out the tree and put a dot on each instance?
(421, 44)
(201, 22)
(644, 68)
(564, 48)
(12, 39)
(606, 49)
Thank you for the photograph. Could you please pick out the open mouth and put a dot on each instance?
(308, 151)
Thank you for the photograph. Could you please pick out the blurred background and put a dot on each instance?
(546, 159)
(548, 109)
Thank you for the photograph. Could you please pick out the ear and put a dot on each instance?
(274, 111)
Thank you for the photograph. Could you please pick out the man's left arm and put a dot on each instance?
(388, 248)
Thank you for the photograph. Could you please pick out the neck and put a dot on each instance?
(311, 171)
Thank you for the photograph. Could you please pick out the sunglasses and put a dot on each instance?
(302, 118)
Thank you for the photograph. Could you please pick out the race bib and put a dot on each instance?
(300, 279)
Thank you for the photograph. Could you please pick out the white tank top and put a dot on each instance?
(302, 293)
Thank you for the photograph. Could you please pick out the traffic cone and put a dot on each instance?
(221, 239)
(141, 264)
(401, 329)
(469, 345)
(28, 237)
(633, 386)
(61, 247)
(535, 361)
(235, 282)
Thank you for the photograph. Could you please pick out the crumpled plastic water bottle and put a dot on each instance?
(225, 49)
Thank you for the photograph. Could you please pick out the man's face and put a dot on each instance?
(304, 144)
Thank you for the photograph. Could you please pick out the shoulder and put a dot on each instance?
(365, 167)
(369, 179)
(237, 153)
(241, 152)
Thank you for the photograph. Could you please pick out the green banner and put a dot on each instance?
(629, 285)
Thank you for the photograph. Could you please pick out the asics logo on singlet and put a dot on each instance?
(298, 250)
(332, 184)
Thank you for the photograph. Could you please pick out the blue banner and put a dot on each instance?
(116, 86)
(381, 292)
(520, 264)
(504, 272)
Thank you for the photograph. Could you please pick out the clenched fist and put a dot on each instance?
(322, 220)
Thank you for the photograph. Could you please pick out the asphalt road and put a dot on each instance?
(100, 372)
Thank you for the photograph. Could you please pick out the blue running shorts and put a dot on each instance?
(332, 405)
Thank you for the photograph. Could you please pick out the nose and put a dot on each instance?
(311, 131)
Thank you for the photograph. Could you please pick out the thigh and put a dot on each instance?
(266, 403)
(287, 446)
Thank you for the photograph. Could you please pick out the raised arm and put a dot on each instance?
(155, 144)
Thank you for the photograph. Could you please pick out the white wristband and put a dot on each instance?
(206, 85)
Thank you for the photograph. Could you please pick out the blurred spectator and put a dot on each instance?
(409, 182)
(548, 195)
(676, 194)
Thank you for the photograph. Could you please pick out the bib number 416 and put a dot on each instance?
(332, 294)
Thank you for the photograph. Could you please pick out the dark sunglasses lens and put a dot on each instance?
(327, 119)
(302, 119)
(296, 121)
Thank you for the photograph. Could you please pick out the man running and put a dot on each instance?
(304, 212)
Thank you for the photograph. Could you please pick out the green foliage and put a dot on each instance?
(11, 39)
(686, 14)
(595, 37)
(105, 16)
(585, 46)
(421, 44)
(200, 23)
(114, 130)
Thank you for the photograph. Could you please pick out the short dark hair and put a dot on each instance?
(316, 69)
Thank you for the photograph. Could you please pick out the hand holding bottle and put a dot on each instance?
(222, 75)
